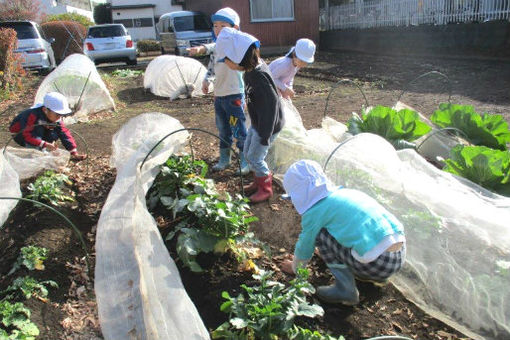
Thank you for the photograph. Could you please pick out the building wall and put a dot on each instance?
(137, 33)
(283, 33)
(51, 7)
(162, 6)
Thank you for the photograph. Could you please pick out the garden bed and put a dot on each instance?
(71, 314)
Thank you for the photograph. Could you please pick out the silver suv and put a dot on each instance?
(109, 43)
(33, 46)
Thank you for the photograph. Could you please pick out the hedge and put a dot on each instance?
(148, 45)
(68, 37)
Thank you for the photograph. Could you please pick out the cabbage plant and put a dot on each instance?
(400, 128)
(490, 130)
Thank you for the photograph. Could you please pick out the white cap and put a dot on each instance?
(233, 44)
(306, 184)
(305, 50)
(227, 14)
(57, 103)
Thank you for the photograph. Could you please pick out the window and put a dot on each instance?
(126, 22)
(106, 31)
(271, 10)
(192, 23)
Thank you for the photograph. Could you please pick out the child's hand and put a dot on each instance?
(194, 50)
(286, 265)
(78, 156)
(288, 93)
(50, 146)
(205, 87)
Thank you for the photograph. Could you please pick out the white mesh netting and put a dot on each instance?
(9, 188)
(138, 287)
(77, 76)
(458, 254)
(174, 76)
(29, 162)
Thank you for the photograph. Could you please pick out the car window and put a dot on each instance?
(106, 31)
(192, 23)
(24, 30)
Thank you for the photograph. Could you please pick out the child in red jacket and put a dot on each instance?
(41, 126)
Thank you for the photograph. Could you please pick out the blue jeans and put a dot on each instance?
(255, 153)
(230, 120)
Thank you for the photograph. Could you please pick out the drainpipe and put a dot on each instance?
(326, 7)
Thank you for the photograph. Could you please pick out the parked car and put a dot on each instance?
(33, 46)
(109, 43)
(182, 29)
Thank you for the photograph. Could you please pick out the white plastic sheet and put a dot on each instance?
(29, 162)
(174, 76)
(458, 254)
(138, 287)
(9, 188)
(77, 76)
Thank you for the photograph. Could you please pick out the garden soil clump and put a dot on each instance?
(71, 312)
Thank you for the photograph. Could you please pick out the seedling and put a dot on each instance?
(15, 322)
(49, 188)
(31, 257)
(28, 287)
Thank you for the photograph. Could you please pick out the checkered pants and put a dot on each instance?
(387, 264)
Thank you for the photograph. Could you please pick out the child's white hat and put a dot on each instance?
(306, 184)
(305, 50)
(233, 44)
(227, 14)
(56, 102)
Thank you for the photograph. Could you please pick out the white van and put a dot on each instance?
(182, 29)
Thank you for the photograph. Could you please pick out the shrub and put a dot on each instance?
(11, 71)
(68, 37)
(148, 45)
(70, 17)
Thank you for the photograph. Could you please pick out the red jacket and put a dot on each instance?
(30, 133)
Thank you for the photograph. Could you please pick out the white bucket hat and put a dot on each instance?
(233, 44)
(306, 183)
(57, 103)
(227, 14)
(305, 50)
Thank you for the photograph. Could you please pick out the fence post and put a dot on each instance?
(326, 7)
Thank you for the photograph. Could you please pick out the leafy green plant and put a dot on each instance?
(398, 127)
(15, 322)
(49, 188)
(126, 73)
(177, 172)
(490, 130)
(267, 311)
(299, 333)
(209, 222)
(31, 257)
(482, 165)
(28, 287)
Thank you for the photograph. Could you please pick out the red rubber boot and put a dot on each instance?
(264, 190)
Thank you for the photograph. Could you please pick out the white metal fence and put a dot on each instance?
(378, 13)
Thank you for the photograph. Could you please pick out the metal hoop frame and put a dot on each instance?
(75, 229)
(336, 85)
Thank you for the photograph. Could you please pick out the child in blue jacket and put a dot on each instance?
(355, 235)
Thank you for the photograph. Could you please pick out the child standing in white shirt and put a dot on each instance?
(285, 68)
